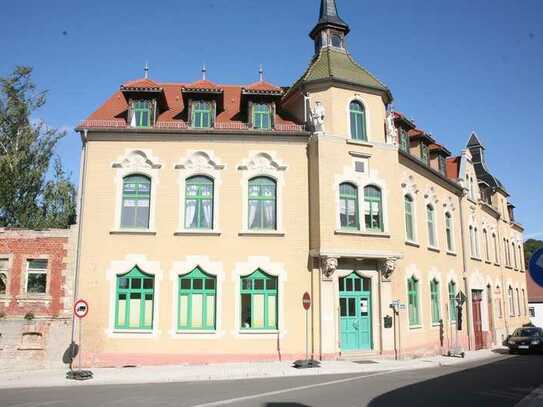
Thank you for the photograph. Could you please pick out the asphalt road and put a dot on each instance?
(500, 383)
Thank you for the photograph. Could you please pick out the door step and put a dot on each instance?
(359, 356)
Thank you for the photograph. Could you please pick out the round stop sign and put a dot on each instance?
(306, 301)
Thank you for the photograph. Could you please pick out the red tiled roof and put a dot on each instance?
(263, 86)
(141, 83)
(113, 112)
(439, 147)
(203, 84)
(453, 168)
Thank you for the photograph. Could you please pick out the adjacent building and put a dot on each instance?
(209, 209)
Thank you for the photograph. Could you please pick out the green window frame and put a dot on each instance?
(259, 301)
(404, 141)
(199, 203)
(136, 202)
(373, 209)
(197, 299)
(487, 247)
(434, 296)
(409, 218)
(134, 300)
(449, 231)
(441, 164)
(452, 301)
(413, 301)
(201, 114)
(262, 205)
(431, 222)
(358, 121)
(424, 154)
(142, 114)
(348, 204)
(262, 119)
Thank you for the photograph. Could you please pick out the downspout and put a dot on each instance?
(82, 178)
(465, 267)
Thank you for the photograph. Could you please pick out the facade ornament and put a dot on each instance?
(318, 115)
(137, 160)
(392, 131)
(262, 162)
(199, 161)
(329, 266)
(387, 268)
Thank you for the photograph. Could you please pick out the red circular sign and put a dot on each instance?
(81, 308)
(306, 301)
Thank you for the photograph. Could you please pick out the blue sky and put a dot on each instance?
(452, 66)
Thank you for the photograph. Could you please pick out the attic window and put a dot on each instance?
(262, 116)
(424, 153)
(404, 143)
(202, 114)
(142, 113)
(441, 164)
(337, 41)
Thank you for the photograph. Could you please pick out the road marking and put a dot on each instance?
(276, 392)
(534, 399)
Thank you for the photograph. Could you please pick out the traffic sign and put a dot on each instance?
(535, 267)
(460, 298)
(306, 301)
(81, 309)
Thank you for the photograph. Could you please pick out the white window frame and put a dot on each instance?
(45, 271)
(5, 271)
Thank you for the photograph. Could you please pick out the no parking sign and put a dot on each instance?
(81, 309)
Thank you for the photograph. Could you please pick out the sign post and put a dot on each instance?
(306, 363)
(81, 309)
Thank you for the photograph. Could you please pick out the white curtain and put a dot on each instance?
(252, 213)
(207, 212)
(269, 214)
(190, 213)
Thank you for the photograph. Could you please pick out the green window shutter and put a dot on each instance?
(430, 216)
(259, 301)
(409, 220)
(201, 114)
(413, 300)
(424, 156)
(358, 121)
(262, 206)
(448, 231)
(197, 297)
(136, 202)
(348, 201)
(373, 209)
(262, 119)
(434, 293)
(134, 300)
(404, 141)
(452, 301)
(199, 203)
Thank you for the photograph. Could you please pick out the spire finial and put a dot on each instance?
(260, 73)
(204, 72)
(329, 18)
(146, 70)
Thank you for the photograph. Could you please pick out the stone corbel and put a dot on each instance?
(387, 268)
(328, 267)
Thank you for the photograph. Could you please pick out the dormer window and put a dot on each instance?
(424, 155)
(404, 141)
(337, 40)
(262, 116)
(143, 113)
(441, 164)
(202, 114)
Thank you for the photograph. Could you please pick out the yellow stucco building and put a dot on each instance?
(207, 210)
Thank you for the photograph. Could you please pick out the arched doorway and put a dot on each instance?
(355, 313)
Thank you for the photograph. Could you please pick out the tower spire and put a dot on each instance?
(329, 18)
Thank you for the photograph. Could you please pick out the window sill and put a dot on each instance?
(258, 331)
(361, 233)
(34, 298)
(434, 249)
(451, 253)
(435, 324)
(359, 142)
(508, 267)
(497, 264)
(475, 258)
(195, 232)
(270, 233)
(415, 326)
(196, 332)
(134, 331)
(412, 243)
(132, 232)
(487, 262)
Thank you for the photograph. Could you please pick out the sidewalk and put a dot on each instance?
(227, 371)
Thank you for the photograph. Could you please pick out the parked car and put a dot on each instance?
(525, 339)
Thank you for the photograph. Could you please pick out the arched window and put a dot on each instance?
(134, 296)
(348, 206)
(485, 238)
(511, 303)
(261, 116)
(199, 203)
(449, 231)
(452, 301)
(136, 202)
(496, 249)
(518, 302)
(413, 301)
(373, 209)
(259, 295)
(358, 121)
(337, 41)
(434, 297)
(409, 218)
(431, 222)
(142, 113)
(197, 299)
(201, 114)
(472, 241)
(499, 302)
(262, 203)
(514, 254)
(476, 236)
(521, 258)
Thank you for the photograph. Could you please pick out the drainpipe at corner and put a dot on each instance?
(465, 269)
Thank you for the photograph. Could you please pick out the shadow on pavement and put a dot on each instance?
(499, 384)
(286, 405)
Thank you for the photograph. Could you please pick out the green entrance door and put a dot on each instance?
(355, 312)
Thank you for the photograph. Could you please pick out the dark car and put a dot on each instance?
(525, 339)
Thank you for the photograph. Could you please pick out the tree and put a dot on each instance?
(530, 247)
(27, 198)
